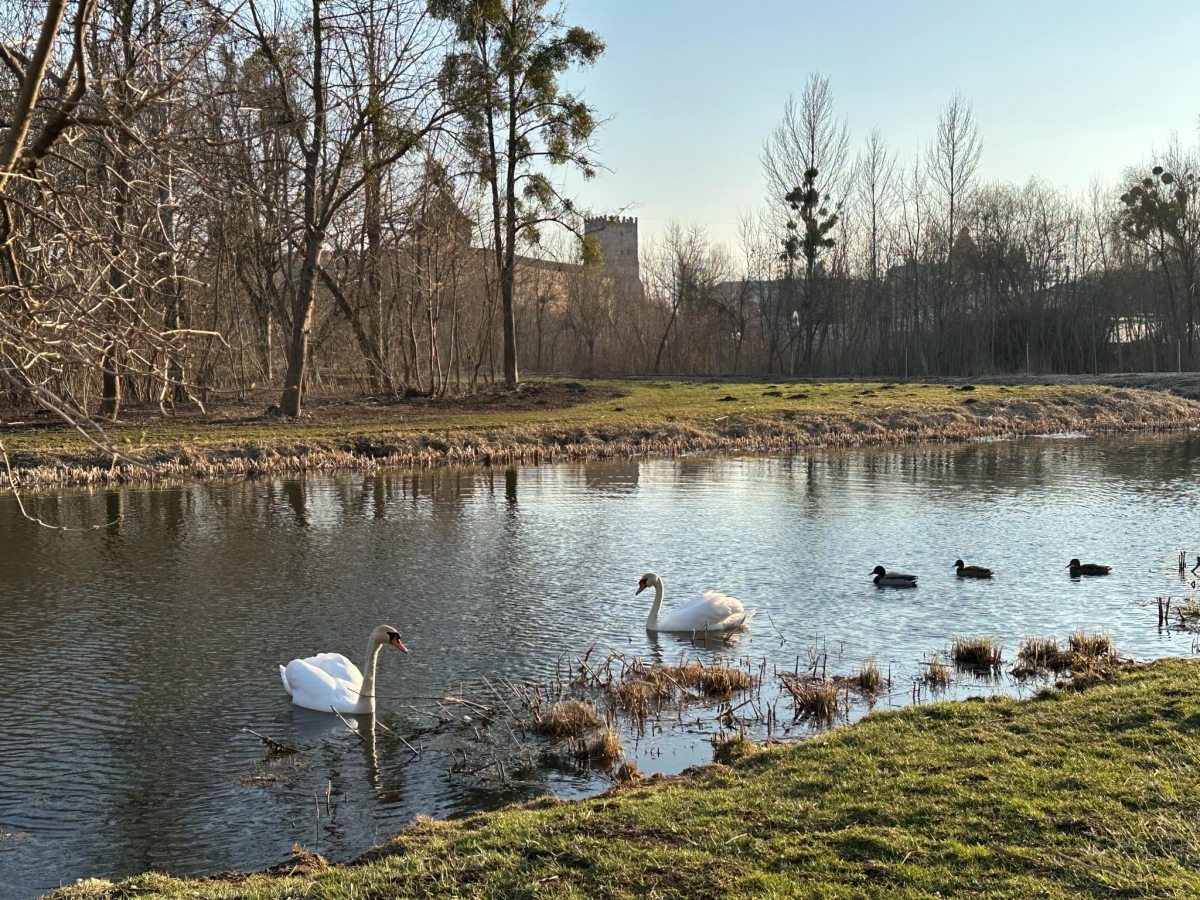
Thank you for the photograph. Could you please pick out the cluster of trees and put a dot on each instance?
(865, 264)
(201, 196)
(206, 197)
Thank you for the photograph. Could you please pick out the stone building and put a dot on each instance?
(617, 237)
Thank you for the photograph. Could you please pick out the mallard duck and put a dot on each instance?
(965, 571)
(1077, 568)
(884, 578)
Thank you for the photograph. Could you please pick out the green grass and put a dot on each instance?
(609, 418)
(1090, 793)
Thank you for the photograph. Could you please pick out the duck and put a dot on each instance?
(1077, 568)
(329, 681)
(711, 612)
(965, 571)
(884, 578)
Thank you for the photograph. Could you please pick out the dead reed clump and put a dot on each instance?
(869, 679)
(728, 749)
(1093, 659)
(568, 719)
(979, 654)
(1094, 645)
(637, 699)
(640, 690)
(1040, 654)
(937, 673)
(818, 699)
(302, 862)
(628, 774)
(603, 751)
(711, 680)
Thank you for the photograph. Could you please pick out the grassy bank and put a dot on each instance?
(570, 420)
(1075, 793)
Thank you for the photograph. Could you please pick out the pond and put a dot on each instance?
(134, 657)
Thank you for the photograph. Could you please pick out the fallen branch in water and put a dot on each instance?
(273, 745)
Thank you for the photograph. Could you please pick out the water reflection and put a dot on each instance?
(179, 608)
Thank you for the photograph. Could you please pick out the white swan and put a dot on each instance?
(711, 612)
(330, 681)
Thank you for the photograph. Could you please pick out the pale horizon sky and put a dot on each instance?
(1064, 90)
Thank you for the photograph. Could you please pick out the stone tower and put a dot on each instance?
(618, 240)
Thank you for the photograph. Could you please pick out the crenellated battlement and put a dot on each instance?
(617, 237)
(597, 223)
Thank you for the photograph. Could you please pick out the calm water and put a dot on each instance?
(132, 657)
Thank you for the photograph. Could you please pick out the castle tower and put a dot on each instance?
(618, 240)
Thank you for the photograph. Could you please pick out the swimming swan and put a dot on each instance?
(710, 612)
(330, 681)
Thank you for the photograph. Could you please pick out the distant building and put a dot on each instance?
(617, 237)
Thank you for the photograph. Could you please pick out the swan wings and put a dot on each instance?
(324, 681)
(711, 611)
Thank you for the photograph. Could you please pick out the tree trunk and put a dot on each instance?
(314, 236)
(302, 311)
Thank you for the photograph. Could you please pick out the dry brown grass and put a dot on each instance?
(710, 680)
(640, 690)
(604, 750)
(1090, 645)
(728, 749)
(628, 774)
(568, 719)
(1040, 654)
(936, 674)
(869, 679)
(816, 699)
(1090, 657)
(979, 654)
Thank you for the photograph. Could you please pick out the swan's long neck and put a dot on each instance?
(367, 693)
(652, 619)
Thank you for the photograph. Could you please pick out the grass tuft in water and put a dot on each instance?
(815, 699)
(568, 719)
(869, 679)
(602, 751)
(628, 773)
(1090, 645)
(1038, 654)
(937, 673)
(980, 654)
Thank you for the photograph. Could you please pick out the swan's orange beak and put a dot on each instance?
(397, 643)
(641, 587)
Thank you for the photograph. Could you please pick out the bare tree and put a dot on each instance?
(809, 136)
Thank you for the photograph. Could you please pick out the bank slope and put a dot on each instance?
(1088, 793)
(559, 420)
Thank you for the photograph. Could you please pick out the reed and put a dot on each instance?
(936, 674)
(1094, 645)
(816, 699)
(980, 654)
(1036, 655)
(629, 774)
(869, 679)
(603, 750)
(567, 719)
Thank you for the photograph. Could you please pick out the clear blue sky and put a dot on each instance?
(1063, 89)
